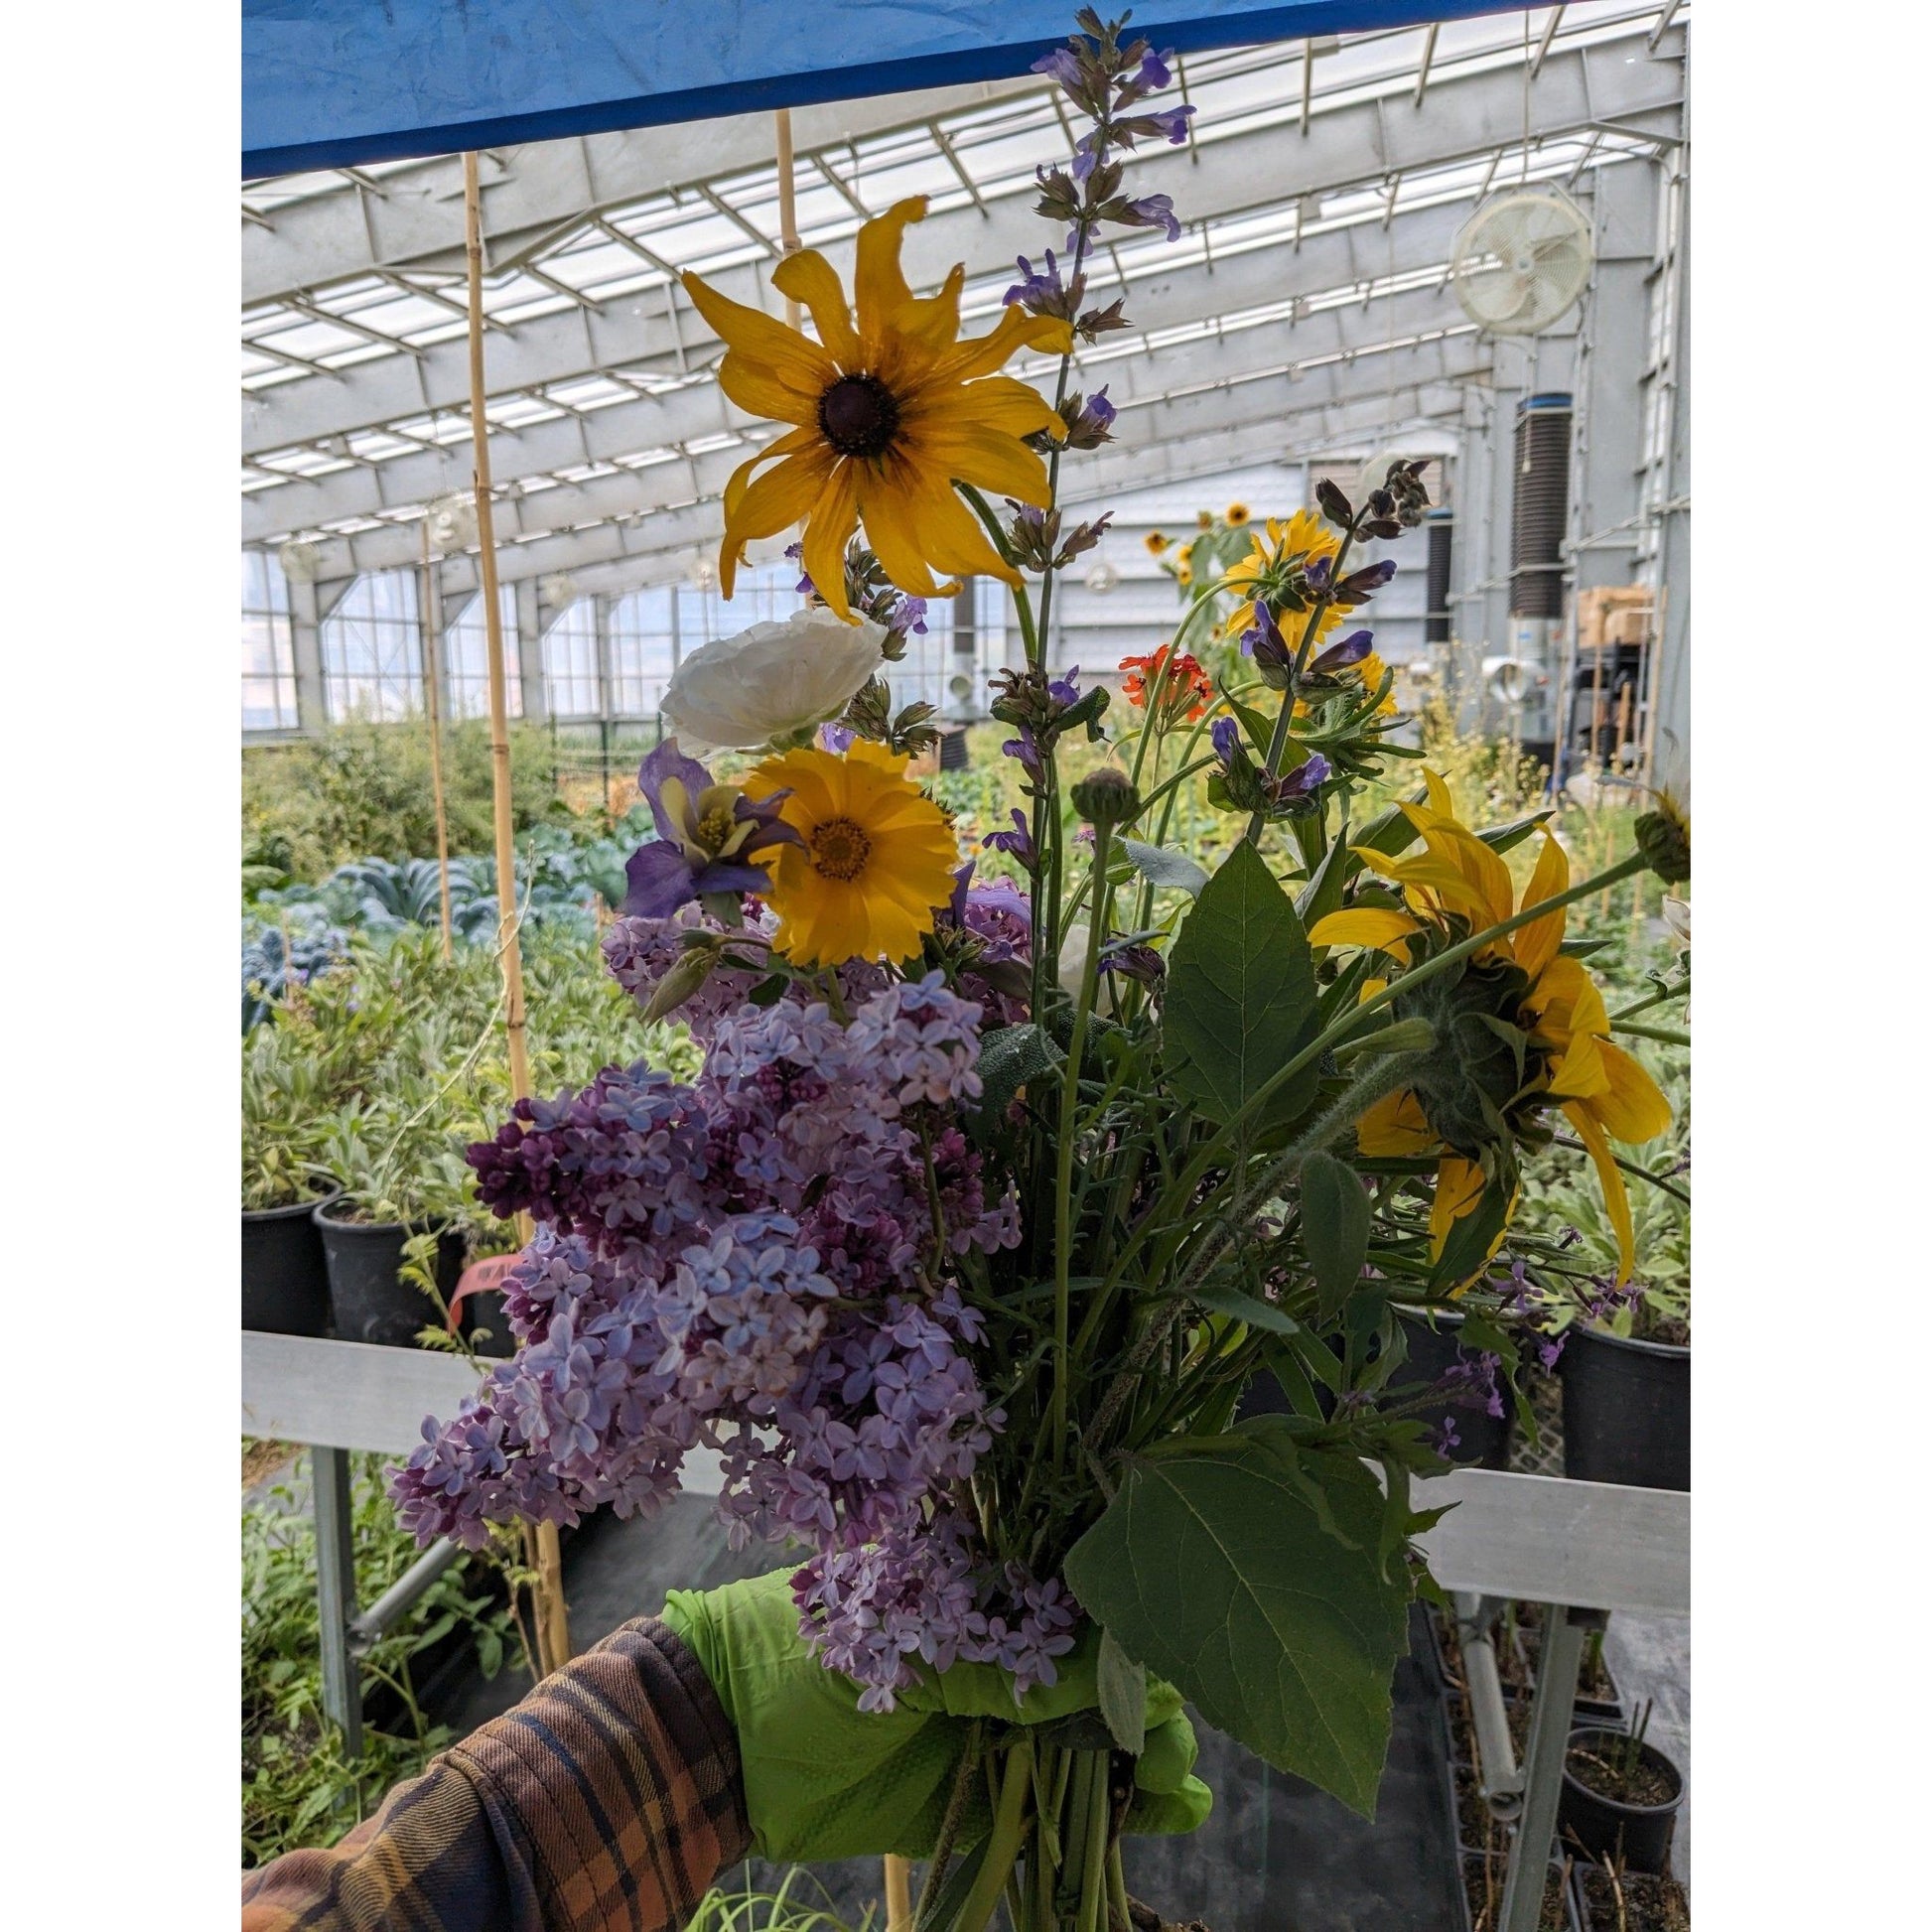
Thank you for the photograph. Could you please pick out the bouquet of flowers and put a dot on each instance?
(998, 1198)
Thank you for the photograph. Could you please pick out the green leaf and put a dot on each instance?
(1211, 1567)
(1009, 1058)
(1322, 893)
(1241, 994)
(1473, 1235)
(1260, 730)
(1225, 1299)
(1123, 1694)
(1503, 838)
(1163, 866)
(1336, 1216)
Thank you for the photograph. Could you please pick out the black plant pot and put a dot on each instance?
(1558, 1884)
(484, 1309)
(1627, 1411)
(1482, 1438)
(1639, 1835)
(284, 1274)
(371, 1299)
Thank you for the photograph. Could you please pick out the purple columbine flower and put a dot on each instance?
(1152, 211)
(1016, 844)
(1041, 285)
(1351, 650)
(706, 836)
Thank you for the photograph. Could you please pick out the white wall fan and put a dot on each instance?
(1522, 261)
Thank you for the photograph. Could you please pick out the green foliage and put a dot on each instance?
(297, 1785)
(381, 1071)
(800, 1904)
(1240, 996)
(363, 788)
(1285, 1639)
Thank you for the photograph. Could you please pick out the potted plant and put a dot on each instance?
(284, 1279)
(1625, 1367)
(394, 1235)
(1611, 1898)
(1620, 1796)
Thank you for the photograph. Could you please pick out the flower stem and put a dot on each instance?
(1068, 1125)
(1003, 1845)
(1277, 742)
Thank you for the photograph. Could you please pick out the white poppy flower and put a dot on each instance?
(772, 683)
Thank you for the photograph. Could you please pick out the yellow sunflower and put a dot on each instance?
(1262, 575)
(1604, 1094)
(876, 864)
(890, 409)
(1157, 541)
(1238, 514)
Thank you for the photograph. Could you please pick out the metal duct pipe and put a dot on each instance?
(1541, 506)
(1440, 524)
(1498, 1775)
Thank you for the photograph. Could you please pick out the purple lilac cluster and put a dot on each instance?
(758, 1264)
(921, 1594)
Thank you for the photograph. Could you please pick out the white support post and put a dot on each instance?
(333, 1504)
(1549, 1719)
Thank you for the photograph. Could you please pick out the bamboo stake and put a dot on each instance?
(899, 1895)
(432, 630)
(1653, 672)
(788, 242)
(552, 1615)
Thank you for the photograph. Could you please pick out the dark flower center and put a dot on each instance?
(859, 415)
(840, 848)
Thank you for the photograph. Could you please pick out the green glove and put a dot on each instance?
(824, 1779)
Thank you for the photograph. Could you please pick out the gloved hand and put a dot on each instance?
(824, 1779)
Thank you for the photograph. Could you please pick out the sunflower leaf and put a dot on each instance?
(1212, 1569)
(1241, 994)
(1336, 1216)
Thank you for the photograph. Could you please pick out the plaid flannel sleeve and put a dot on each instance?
(607, 1800)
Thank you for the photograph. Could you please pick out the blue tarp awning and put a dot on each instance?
(342, 82)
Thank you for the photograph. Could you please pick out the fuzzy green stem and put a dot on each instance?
(1003, 1845)
(1069, 1133)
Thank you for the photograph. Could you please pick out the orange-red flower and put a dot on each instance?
(1175, 681)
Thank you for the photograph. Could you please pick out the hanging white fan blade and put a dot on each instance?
(1522, 260)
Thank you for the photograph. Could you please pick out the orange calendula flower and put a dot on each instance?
(1173, 682)
(1458, 884)
(889, 408)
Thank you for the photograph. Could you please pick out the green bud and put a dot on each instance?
(1413, 1036)
(681, 982)
(1106, 798)
(1664, 839)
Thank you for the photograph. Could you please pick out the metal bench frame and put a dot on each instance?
(1580, 1548)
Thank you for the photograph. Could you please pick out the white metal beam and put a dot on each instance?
(1314, 347)
(1612, 82)
(1271, 414)
(416, 223)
